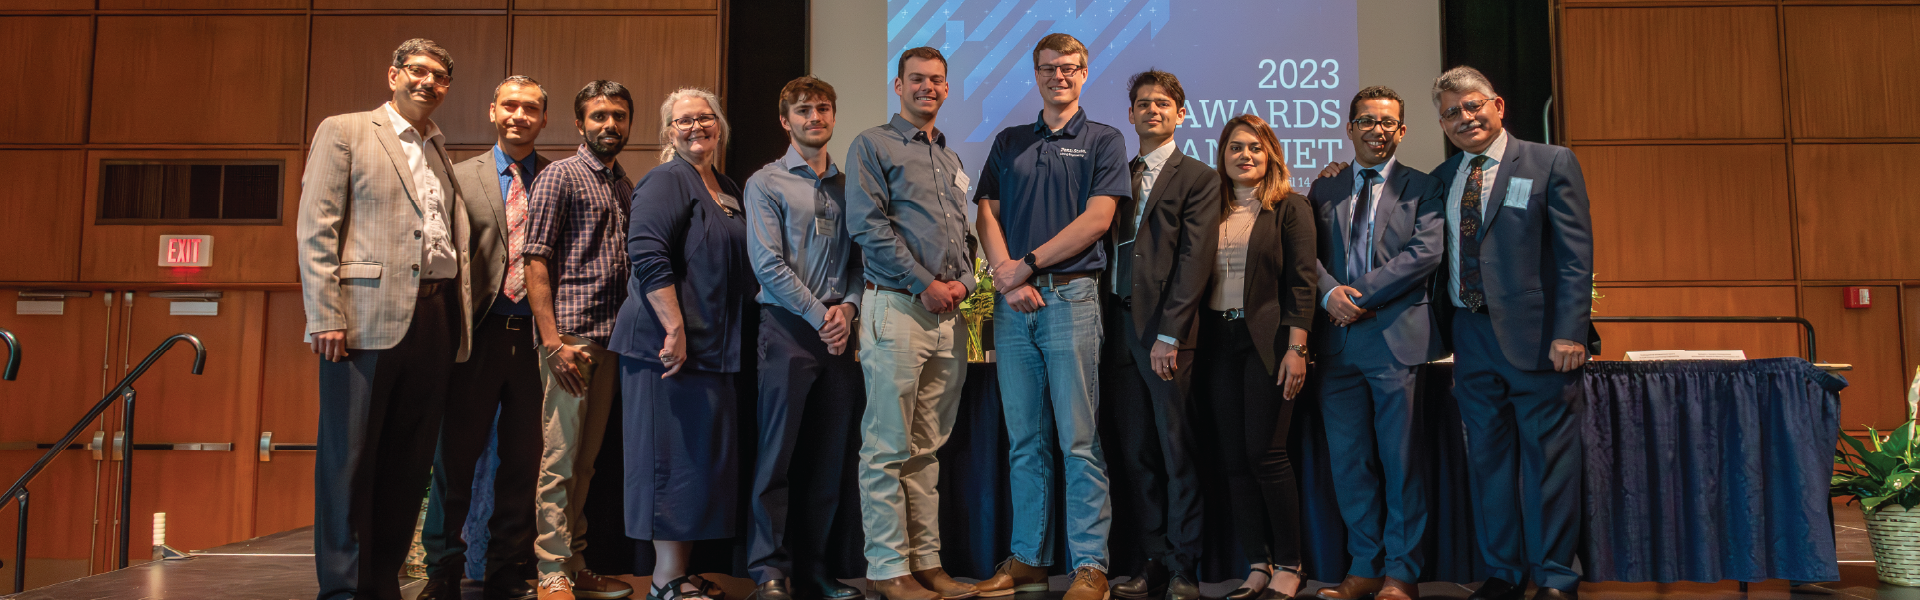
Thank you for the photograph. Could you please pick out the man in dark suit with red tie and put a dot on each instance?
(1513, 305)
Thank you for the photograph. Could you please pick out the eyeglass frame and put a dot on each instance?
(1066, 70)
(1382, 123)
(1455, 112)
(694, 121)
(432, 75)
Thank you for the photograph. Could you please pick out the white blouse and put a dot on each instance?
(1230, 263)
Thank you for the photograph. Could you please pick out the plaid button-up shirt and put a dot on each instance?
(577, 220)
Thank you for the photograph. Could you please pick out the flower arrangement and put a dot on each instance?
(977, 309)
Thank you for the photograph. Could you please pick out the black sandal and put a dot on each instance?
(671, 591)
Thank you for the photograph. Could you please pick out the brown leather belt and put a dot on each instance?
(882, 288)
(429, 287)
(1047, 280)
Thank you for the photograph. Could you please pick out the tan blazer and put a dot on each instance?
(480, 177)
(360, 230)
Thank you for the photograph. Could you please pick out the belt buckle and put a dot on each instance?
(1233, 314)
(509, 323)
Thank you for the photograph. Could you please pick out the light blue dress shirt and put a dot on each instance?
(1353, 201)
(797, 237)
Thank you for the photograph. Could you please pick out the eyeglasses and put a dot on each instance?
(1064, 70)
(1386, 125)
(438, 77)
(688, 123)
(1471, 106)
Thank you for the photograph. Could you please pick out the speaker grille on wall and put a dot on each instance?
(228, 192)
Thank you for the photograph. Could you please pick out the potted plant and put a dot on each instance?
(1879, 473)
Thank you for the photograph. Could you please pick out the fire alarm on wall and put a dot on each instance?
(1857, 297)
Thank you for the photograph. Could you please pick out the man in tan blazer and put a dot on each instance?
(383, 272)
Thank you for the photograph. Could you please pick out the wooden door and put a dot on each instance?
(289, 408)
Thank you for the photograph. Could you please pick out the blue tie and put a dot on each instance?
(1359, 258)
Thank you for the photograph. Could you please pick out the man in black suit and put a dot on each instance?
(1162, 241)
(1513, 305)
(502, 377)
(1379, 229)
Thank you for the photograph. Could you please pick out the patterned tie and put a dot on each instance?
(1359, 259)
(516, 284)
(1472, 293)
(1127, 230)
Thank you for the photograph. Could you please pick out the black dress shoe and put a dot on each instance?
(1181, 587)
(1496, 588)
(508, 589)
(822, 587)
(1547, 593)
(440, 588)
(1149, 582)
(772, 590)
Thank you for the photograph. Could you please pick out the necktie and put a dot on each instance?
(1129, 227)
(1472, 294)
(515, 286)
(1359, 255)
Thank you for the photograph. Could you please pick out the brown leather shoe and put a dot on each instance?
(904, 587)
(1353, 588)
(937, 581)
(588, 584)
(1088, 584)
(556, 586)
(1013, 576)
(1395, 589)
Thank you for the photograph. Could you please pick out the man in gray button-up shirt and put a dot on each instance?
(810, 387)
(905, 209)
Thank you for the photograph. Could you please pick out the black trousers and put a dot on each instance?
(809, 410)
(1152, 449)
(379, 411)
(1249, 425)
(501, 376)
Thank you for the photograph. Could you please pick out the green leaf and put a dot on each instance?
(1874, 436)
(1859, 448)
(1900, 442)
(1879, 464)
(1870, 503)
(1898, 481)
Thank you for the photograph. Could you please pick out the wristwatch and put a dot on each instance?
(1029, 259)
(1301, 350)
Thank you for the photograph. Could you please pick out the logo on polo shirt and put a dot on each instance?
(1074, 152)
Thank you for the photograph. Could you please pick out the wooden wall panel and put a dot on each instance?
(351, 55)
(1838, 89)
(60, 378)
(153, 76)
(409, 4)
(202, 4)
(47, 5)
(1758, 341)
(1858, 211)
(289, 407)
(616, 4)
(1661, 220)
(1909, 328)
(1671, 73)
(1869, 339)
(241, 253)
(40, 214)
(48, 52)
(651, 55)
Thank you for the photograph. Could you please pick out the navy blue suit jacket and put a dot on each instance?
(1409, 239)
(677, 235)
(1536, 255)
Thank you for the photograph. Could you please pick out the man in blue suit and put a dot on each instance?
(1380, 231)
(1513, 306)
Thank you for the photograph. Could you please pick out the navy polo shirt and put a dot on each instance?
(1043, 179)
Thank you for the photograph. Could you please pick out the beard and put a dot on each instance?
(605, 150)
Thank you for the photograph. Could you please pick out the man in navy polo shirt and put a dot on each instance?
(1047, 195)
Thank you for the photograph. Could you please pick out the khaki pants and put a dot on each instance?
(915, 362)
(572, 428)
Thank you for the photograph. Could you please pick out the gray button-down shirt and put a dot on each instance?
(906, 207)
(797, 237)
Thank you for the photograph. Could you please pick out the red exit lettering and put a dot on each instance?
(183, 251)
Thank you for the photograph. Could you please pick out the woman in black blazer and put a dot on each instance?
(679, 339)
(1251, 360)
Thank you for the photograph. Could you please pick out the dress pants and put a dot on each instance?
(497, 389)
(379, 412)
(1153, 441)
(1249, 422)
(810, 405)
(1049, 373)
(571, 428)
(1366, 399)
(914, 362)
(1523, 450)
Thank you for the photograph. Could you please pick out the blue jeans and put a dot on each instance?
(1049, 368)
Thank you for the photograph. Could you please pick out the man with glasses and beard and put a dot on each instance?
(576, 276)
(383, 274)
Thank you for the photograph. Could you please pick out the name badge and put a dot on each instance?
(1517, 191)
(960, 180)
(824, 226)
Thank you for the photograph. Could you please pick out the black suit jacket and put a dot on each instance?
(1409, 240)
(1173, 250)
(487, 215)
(1281, 283)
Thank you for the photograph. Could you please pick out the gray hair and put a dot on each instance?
(522, 81)
(423, 47)
(1461, 80)
(666, 118)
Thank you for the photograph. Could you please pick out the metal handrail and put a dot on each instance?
(1812, 353)
(124, 389)
(13, 355)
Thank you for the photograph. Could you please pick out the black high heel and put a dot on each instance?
(1245, 593)
(1282, 596)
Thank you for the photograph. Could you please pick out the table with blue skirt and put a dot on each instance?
(1694, 471)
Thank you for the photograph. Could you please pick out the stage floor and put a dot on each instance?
(280, 567)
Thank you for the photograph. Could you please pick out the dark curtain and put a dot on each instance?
(1509, 41)
(766, 48)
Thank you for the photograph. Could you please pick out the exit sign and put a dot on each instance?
(186, 250)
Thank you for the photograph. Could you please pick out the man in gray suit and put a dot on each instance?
(502, 376)
(383, 273)
(1380, 242)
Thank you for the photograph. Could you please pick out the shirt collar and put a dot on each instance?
(907, 130)
(793, 161)
(1382, 170)
(401, 125)
(502, 160)
(1159, 156)
(1074, 124)
(1494, 151)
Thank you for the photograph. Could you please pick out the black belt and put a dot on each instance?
(429, 287)
(509, 322)
(882, 288)
(1047, 280)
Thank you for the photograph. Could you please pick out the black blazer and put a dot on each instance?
(487, 216)
(1408, 241)
(1281, 289)
(1173, 251)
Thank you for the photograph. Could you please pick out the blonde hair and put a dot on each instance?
(1064, 44)
(1276, 184)
(666, 119)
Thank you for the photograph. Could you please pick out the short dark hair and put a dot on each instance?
(601, 88)
(522, 81)
(924, 53)
(1160, 78)
(1377, 92)
(1062, 43)
(806, 86)
(424, 47)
